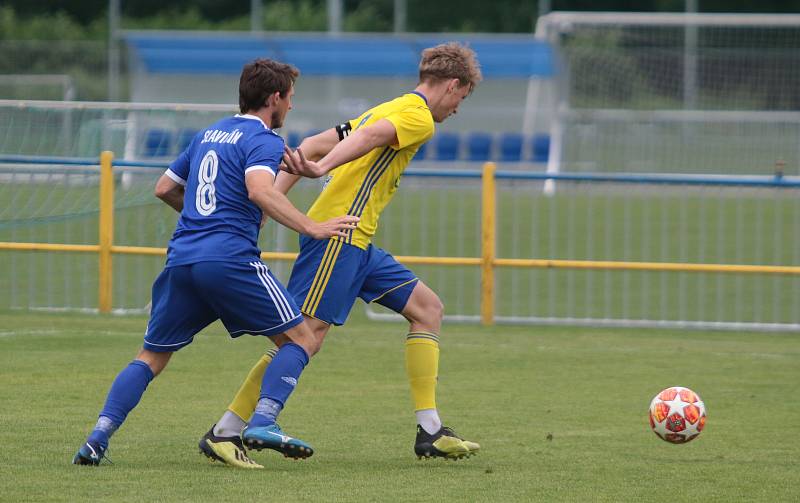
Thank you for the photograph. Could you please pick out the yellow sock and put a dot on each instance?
(422, 367)
(244, 403)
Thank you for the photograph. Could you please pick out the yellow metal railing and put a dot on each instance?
(488, 226)
(106, 232)
(487, 261)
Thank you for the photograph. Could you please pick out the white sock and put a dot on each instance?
(229, 425)
(429, 420)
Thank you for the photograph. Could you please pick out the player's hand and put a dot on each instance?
(295, 162)
(264, 219)
(334, 227)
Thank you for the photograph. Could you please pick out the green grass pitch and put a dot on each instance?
(560, 414)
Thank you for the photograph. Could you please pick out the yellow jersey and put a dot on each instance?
(363, 187)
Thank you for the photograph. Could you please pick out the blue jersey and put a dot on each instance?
(218, 221)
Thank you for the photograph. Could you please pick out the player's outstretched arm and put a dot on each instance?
(261, 190)
(314, 147)
(170, 191)
(380, 134)
(284, 181)
(318, 146)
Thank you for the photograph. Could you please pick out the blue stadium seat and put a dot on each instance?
(446, 146)
(420, 155)
(293, 139)
(157, 143)
(510, 147)
(302, 136)
(541, 147)
(311, 132)
(184, 138)
(479, 146)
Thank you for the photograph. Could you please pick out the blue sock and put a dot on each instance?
(102, 431)
(279, 382)
(123, 396)
(266, 412)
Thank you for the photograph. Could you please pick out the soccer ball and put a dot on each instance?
(677, 415)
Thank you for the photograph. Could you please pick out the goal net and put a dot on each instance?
(675, 93)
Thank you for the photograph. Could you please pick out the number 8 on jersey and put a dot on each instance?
(206, 201)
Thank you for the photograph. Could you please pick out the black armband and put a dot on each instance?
(343, 130)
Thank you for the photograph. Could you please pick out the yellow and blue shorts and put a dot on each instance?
(329, 274)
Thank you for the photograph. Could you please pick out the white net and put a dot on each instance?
(84, 129)
(54, 200)
(49, 156)
(676, 93)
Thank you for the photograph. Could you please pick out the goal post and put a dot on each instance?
(673, 93)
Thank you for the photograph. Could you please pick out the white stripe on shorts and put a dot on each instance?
(290, 314)
(278, 292)
(279, 301)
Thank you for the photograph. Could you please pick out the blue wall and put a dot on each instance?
(320, 54)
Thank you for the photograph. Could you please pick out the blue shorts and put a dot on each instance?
(329, 274)
(245, 296)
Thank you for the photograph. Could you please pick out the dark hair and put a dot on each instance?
(262, 78)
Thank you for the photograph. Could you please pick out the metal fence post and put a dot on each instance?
(106, 232)
(488, 221)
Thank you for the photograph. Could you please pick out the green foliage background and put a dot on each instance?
(87, 19)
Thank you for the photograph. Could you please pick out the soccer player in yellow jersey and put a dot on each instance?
(365, 158)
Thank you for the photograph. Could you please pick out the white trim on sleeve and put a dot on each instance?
(259, 168)
(175, 178)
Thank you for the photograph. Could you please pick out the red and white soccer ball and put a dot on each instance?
(677, 415)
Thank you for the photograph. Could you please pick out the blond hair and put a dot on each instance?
(450, 61)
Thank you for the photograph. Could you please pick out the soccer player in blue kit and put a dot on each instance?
(222, 185)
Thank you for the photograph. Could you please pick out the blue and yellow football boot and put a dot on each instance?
(228, 450)
(272, 437)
